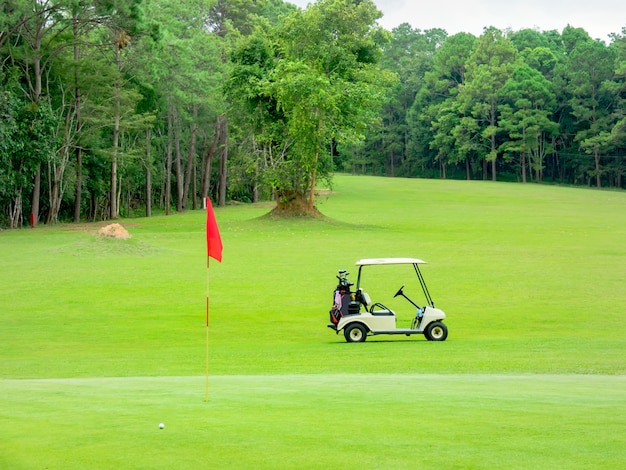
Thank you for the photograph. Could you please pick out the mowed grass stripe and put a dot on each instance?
(317, 421)
(531, 278)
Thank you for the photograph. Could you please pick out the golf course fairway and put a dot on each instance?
(104, 339)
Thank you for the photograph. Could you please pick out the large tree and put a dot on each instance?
(526, 116)
(327, 86)
(438, 118)
(619, 129)
(488, 69)
(593, 98)
(27, 139)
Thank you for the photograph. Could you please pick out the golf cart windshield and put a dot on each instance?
(415, 262)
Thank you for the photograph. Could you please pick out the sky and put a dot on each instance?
(598, 17)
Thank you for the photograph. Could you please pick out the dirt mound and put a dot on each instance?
(114, 231)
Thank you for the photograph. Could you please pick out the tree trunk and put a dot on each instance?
(596, 157)
(194, 186)
(255, 184)
(15, 211)
(116, 135)
(34, 211)
(168, 165)
(119, 195)
(523, 155)
(79, 156)
(178, 166)
(79, 184)
(36, 97)
(56, 169)
(312, 191)
(53, 190)
(294, 204)
(208, 158)
(493, 162)
(494, 150)
(148, 166)
(191, 157)
(116, 138)
(223, 160)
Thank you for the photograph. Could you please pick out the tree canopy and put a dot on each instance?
(316, 75)
(111, 108)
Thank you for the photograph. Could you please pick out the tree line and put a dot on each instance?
(514, 105)
(117, 107)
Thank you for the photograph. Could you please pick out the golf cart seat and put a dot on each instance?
(374, 309)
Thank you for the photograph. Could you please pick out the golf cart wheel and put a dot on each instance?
(355, 333)
(436, 331)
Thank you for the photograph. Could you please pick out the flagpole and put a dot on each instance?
(206, 396)
(214, 250)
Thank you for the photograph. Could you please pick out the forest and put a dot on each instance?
(116, 108)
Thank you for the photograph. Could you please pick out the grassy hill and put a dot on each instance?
(103, 339)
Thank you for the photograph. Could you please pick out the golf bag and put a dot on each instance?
(342, 297)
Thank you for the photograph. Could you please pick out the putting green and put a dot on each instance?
(316, 421)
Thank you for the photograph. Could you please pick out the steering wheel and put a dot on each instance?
(399, 291)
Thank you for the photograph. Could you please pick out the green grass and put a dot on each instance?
(103, 339)
(317, 421)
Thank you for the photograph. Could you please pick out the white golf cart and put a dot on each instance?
(355, 314)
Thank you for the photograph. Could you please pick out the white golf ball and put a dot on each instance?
(161, 426)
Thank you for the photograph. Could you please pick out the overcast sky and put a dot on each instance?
(598, 17)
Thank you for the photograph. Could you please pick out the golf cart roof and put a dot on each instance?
(379, 261)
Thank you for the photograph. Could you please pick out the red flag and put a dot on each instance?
(213, 238)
